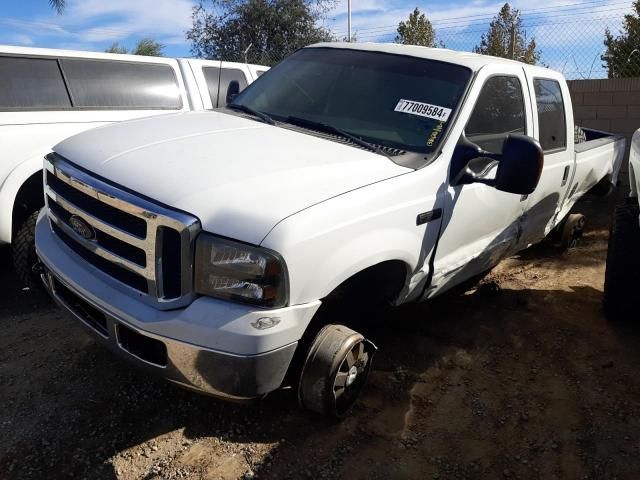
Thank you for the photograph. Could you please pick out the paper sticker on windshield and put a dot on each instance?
(423, 110)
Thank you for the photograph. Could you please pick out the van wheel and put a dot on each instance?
(24, 252)
(622, 276)
(572, 230)
(335, 371)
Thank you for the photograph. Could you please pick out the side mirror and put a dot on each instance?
(519, 166)
(232, 91)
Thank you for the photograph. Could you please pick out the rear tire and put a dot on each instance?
(622, 276)
(335, 371)
(24, 252)
(572, 230)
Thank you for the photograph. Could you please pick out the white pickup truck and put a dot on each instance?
(622, 277)
(48, 95)
(213, 247)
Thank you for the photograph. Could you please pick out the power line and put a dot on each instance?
(574, 8)
(526, 23)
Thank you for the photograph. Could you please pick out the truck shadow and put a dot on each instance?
(96, 407)
(81, 406)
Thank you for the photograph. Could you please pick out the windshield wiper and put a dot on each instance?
(256, 113)
(325, 127)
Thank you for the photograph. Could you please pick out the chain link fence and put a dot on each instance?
(570, 39)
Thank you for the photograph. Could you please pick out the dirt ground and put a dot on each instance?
(520, 377)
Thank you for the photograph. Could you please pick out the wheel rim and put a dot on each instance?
(350, 377)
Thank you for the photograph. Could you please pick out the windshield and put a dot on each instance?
(391, 100)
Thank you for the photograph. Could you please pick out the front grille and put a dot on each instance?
(141, 245)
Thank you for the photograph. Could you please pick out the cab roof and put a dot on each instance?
(474, 61)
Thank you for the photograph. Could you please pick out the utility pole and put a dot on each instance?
(513, 42)
(349, 20)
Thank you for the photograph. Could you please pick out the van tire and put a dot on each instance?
(622, 275)
(24, 252)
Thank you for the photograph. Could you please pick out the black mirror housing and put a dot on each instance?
(232, 91)
(520, 165)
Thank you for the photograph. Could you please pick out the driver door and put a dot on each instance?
(481, 225)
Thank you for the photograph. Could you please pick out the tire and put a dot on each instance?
(335, 371)
(572, 230)
(579, 135)
(622, 275)
(24, 252)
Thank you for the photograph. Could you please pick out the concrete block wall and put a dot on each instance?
(612, 104)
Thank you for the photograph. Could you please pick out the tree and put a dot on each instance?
(116, 48)
(256, 31)
(506, 38)
(622, 57)
(417, 30)
(57, 5)
(146, 46)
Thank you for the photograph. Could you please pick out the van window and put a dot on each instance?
(498, 112)
(551, 118)
(112, 84)
(31, 83)
(212, 77)
(227, 75)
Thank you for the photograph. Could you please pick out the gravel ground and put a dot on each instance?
(518, 377)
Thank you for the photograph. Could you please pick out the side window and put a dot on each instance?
(112, 84)
(227, 75)
(212, 77)
(498, 112)
(28, 83)
(260, 72)
(551, 117)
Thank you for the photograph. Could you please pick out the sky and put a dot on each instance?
(569, 32)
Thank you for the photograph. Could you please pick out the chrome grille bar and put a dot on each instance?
(155, 217)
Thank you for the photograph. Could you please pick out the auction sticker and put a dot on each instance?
(423, 110)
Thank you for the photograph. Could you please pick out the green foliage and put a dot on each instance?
(622, 56)
(57, 5)
(256, 31)
(146, 46)
(417, 30)
(506, 38)
(116, 48)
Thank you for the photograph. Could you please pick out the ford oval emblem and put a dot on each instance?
(81, 227)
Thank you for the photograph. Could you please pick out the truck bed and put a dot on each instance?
(598, 159)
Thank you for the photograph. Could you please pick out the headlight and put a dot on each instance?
(233, 270)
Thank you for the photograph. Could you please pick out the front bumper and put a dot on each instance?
(210, 346)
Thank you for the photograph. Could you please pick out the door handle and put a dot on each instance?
(565, 176)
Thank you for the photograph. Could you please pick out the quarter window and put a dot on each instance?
(31, 83)
(112, 84)
(498, 112)
(212, 77)
(551, 117)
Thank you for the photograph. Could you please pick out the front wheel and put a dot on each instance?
(24, 252)
(335, 371)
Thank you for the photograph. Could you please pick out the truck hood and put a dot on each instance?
(240, 177)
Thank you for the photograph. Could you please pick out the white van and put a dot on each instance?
(48, 95)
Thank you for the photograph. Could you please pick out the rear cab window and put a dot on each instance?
(551, 115)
